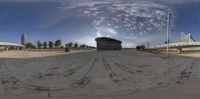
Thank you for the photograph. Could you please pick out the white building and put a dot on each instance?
(186, 37)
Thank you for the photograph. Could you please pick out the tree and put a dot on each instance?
(39, 44)
(83, 46)
(76, 45)
(29, 45)
(45, 45)
(166, 42)
(140, 47)
(57, 43)
(66, 45)
(50, 44)
(70, 45)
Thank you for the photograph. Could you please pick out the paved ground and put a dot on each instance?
(101, 74)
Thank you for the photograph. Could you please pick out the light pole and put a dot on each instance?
(168, 26)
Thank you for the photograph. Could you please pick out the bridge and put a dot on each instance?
(8, 44)
(187, 41)
(179, 46)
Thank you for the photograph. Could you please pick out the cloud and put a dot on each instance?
(152, 39)
(106, 32)
(124, 19)
(71, 4)
(77, 4)
(111, 30)
(34, 0)
(136, 21)
(99, 34)
(87, 40)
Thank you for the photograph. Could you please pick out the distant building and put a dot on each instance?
(105, 43)
(24, 39)
(186, 37)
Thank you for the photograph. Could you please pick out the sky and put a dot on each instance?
(131, 21)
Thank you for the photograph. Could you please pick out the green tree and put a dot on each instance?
(75, 45)
(66, 46)
(45, 45)
(58, 43)
(166, 42)
(50, 44)
(39, 44)
(70, 45)
(83, 46)
(29, 45)
(140, 47)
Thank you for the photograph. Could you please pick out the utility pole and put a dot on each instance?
(168, 28)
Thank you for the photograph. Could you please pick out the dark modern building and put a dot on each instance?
(105, 43)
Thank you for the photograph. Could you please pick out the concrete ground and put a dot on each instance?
(126, 74)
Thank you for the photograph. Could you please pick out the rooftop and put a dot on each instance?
(109, 39)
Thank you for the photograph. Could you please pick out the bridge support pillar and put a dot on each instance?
(179, 50)
(7, 48)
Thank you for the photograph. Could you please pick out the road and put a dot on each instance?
(105, 74)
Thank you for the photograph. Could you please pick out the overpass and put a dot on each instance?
(179, 46)
(187, 41)
(8, 44)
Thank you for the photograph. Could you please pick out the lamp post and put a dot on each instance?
(168, 27)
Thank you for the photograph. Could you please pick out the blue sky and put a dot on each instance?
(132, 21)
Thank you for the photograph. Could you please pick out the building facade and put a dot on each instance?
(24, 39)
(105, 43)
(186, 37)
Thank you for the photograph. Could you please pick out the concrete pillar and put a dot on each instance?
(179, 50)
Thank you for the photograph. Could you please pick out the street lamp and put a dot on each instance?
(168, 27)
